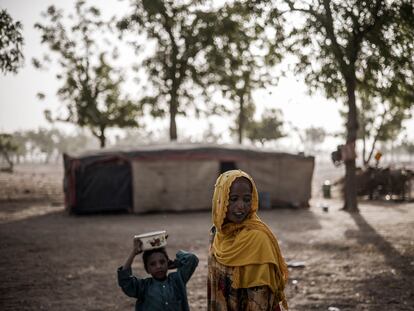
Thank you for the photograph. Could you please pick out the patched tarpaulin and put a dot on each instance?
(176, 185)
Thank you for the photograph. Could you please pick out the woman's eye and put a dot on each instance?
(233, 199)
(247, 200)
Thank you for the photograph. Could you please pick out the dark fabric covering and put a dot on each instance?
(103, 187)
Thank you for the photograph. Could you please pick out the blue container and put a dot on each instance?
(264, 200)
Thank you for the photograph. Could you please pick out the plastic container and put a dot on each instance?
(326, 189)
(151, 240)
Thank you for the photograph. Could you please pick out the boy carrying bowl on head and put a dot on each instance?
(163, 290)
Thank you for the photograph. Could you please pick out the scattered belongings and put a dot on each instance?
(296, 264)
(384, 183)
(324, 207)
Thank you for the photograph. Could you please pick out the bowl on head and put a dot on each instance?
(151, 240)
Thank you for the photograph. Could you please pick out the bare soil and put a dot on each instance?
(54, 261)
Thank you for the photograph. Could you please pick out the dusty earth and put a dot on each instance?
(54, 261)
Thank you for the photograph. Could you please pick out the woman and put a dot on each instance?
(246, 270)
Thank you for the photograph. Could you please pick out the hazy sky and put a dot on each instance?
(20, 109)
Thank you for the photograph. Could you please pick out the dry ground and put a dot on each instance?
(53, 261)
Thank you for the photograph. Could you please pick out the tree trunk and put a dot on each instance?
(9, 162)
(241, 119)
(102, 138)
(363, 150)
(350, 203)
(379, 130)
(173, 124)
(173, 114)
(372, 149)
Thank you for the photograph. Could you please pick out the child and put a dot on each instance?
(162, 291)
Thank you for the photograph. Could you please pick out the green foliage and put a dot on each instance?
(11, 43)
(386, 93)
(181, 31)
(408, 146)
(90, 86)
(379, 119)
(236, 61)
(7, 144)
(270, 127)
(48, 144)
(345, 46)
(315, 135)
(337, 41)
(7, 147)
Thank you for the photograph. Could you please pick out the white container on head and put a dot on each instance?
(151, 240)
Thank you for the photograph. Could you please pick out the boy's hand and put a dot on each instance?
(137, 246)
(172, 264)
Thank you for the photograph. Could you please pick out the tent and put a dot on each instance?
(179, 177)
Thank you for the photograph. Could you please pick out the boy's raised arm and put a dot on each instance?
(186, 264)
(131, 285)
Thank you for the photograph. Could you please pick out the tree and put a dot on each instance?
(333, 42)
(20, 138)
(11, 43)
(181, 32)
(387, 100)
(237, 62)
(408, 146)
(44, 141)
(91, 87)
(79, 141)
(378, 122)
(7, 147)
(313, 137)
(270, 127)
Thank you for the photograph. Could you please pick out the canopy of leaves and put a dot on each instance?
(342, 47)
(270, 127)
(180, 30)
(337, 39)
(90, 86)
(7, 144)
(7, 147)
(48, 144)
(11, 43)
(315, 135)
(239, 61)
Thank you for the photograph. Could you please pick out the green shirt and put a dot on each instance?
(154, 295)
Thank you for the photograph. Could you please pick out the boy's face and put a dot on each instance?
(157, 266)
(240, 200)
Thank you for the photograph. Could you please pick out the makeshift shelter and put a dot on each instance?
(178, 177)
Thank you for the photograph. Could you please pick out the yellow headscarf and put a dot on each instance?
(250, 247)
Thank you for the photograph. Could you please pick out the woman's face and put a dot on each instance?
(240, 200)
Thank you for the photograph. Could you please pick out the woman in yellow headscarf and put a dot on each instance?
(246, 270)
